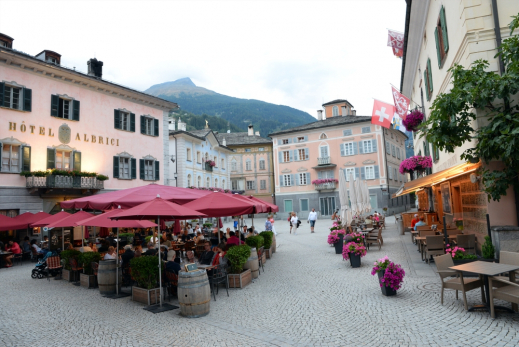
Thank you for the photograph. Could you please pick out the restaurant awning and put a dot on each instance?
(435, 178)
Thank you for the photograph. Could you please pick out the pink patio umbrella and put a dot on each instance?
(70, 222)
(176, 229)
(52, 219)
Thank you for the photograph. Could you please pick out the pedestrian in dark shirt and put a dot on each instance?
(206, 258)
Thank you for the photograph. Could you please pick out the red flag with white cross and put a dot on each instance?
(382, 114)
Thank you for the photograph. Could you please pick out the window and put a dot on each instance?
(395, 174)
(304, 204)
(390, 172)
(65, 108)
(284, 141)
(325, 174)
(189, 180)
(248, 165)
(388, 147)
(12, 97)
(149, 174)
(199, 182)
(323, 151)
(398, 153)
(286, 181)
(335, 111)
(188, 154)
(286, 156)
(216, 182)
(346, 132)
(366, 130)
(442, 39)
(215, 162)
(223, 164)
(349, 172)
(302, 179)
(370, 172)
(63, 160)
(234, 166)
(234, 185)
(15, 97)
(427, 75)
(149, 126)
(124, 120)
(124, 167)
(262, 164)
(436, 153)
(368, 147)
(263, 184)
(301, 154)
(247, 150)
(323, 136)
(223, 184)
(261, 149)
(10, 158)
(198, 157)
(207, 182)
(250, 185)
(349, 148)
(393, 152)
(301, 139)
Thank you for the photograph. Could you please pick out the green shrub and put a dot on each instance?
(208, 225)
(69, 254)
(147, 239)
(145, 271)
(267, 236)
(237, 256)
(488, 249)
(255, 241)
(87, 258)
(130, 236)
(101, 177)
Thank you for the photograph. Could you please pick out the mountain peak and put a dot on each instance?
(186, 81)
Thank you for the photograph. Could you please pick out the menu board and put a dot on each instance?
(57, 238)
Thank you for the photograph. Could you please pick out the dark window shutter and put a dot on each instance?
(54, 105)
(134, 168)
(117, 119)
(116, 167)
(438, 52)
(429, 71)
(2, 92)
(143, 125)
(426, 80)
(132, 122)
(141, 169)
(26, 158)
(156, 127)
(443, 23)
(51, 158)
(75, 110)
(77, 161)
(27, 99)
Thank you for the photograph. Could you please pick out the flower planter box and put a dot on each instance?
(354, 260)
(70, 276)
(268, 253)
(339, 244)
(87, 281)
(387, 291)
(146, 296)
(240, 280)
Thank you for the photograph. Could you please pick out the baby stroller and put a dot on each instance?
(40, 269)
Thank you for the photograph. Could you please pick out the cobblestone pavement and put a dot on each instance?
(307, 296)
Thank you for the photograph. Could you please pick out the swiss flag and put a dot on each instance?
(382, 114)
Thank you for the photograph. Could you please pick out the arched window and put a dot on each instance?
(248, 165)
(208, 182)
(223, 184)
(234, 165)
(215, 160)
(199, 182)
(216, 182)
(335, 111)
(323, 136)
(223, 164)
(189, 180)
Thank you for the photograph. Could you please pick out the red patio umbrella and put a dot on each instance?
(30, 218)
(52, 219)
(260, 205)
(217, 204)
(271, 207)
(131, 197)
(103, 220)
(71, 220)
(158, 207)
(6, 222)
(176, 229)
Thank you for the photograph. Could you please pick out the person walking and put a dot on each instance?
(268, 225)
(271, 219)
(290, 220)
(312, 217)
(294, 221)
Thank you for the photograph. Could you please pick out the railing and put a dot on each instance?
(324, 186)
(208, 167)
(323, 160)
(54, 181)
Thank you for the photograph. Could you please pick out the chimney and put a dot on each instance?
(171, 125)
(49, 57)
(224, 142)
(95, 68)
(344, 111)
(257, 133)
(354, 112)
(6, 41)
(251, 130)
(319, 114)
(180, 125)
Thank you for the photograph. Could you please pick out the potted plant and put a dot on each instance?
(487, 249)
(268, 236)
(336, 238)
(68, 275)
(390, 275)
(87, 278)
(413, 120)
(255, 241)
(145, 272)
(415, 163)
(354, 251)
(237, 257)
(208, 225)
(459, 223)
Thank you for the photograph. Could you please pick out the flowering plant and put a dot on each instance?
(325, 180)
(415, 163)
(393, 276)
(353, 247)
(357, 237)
(458, 253)
(211, 163)
(333, 239)
(413, 120)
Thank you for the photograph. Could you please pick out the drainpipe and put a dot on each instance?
(384, 152)
(497, 30)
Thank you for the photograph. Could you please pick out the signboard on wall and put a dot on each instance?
(446, 197)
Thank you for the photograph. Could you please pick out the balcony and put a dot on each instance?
(325, 186)
(324, 161)
(67, 182)
(208, 167)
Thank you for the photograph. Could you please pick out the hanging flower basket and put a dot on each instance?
(413, 120)
(415, 163)
(325, 180)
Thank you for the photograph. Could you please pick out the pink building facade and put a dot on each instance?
(52, 117)
(309, 158)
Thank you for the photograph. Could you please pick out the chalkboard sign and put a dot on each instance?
(191, 267)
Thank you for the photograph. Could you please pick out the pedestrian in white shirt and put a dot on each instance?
(312, 217)
(295, 222)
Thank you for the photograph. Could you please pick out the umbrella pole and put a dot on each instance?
(160, 261)
(117, 265)
(62, 239)
(252, 223)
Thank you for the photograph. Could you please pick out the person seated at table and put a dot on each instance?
(40, 251)
(164, 241)
(189, 229)
(151, 249)
(127, 256)
(110, 255)
(137, 237)
(93, 246)
(223, 237)
(26, 245)
(414, 221)
(163, 252)
(219, 255)
(233, 240)
(376, 218)
(200, 239)
(190, 256)
(155, 240)
(104, 246)
(149, 232)
(85, 249)
(227, 232)
(186, 237)
(250, 233)
(138, 251)
(197, 229)
(68, 246)
(207, 255)
(421, 222)
(14, 248)
(171, 264)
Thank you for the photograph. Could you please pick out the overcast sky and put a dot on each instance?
(295, 53)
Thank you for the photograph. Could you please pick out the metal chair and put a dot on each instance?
(510, 258)
(467, 242)
(53, 263)
(95, 267)
(260, 259)
(424, 233)
(74, 267)
(18, 257)
(171, 282)
(509, 292)
(219, 276)
(433, 246)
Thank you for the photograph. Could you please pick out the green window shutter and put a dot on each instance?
(26, 158)
(156, 127)
(141, 169)
(157, 170)
(438, 52)
(77, 161)
(443, 23)
(2, 92)
(54, 105)
(134, 168)
(116, 167)
(437, 153)
(27, 99)
(143, 125)
(75, 110)
(117, 119)
(429, 71)
(426, 85)
(51, 158)
(132, 122)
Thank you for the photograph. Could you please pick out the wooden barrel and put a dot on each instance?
(273, 246)
(252, 263)
(194, 293)
(106, 277)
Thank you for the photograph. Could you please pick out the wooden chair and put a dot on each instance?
(424, 233)
(95, 268)
(423, 227)
(260, 259)
(374, 237)
(443, 262)
(509, 292)
(75, 268)
(510, 258)
(451, 232)
(53, 263)
(171, 283)
(433, 246)
(467, 242)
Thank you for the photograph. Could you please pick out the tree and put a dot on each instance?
(491, 101)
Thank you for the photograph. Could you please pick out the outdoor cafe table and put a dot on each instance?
(488, 269)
